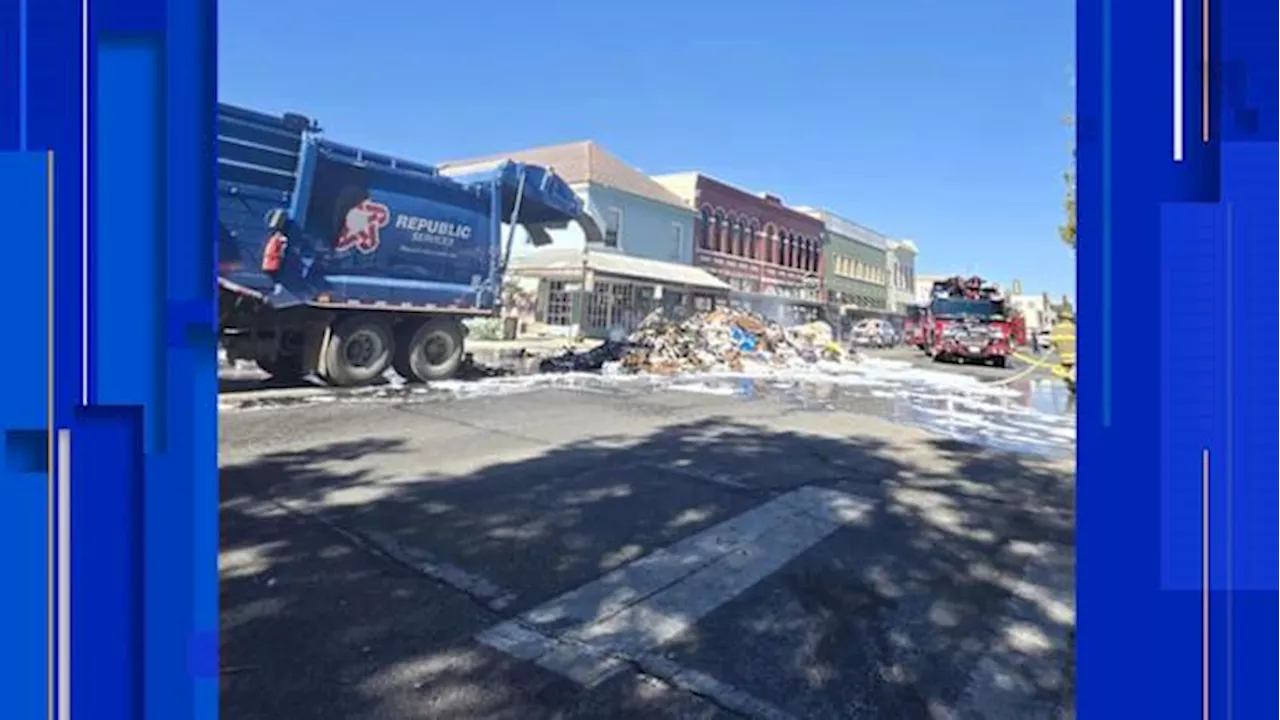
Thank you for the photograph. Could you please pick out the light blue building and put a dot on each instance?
(633, 252)
(636, 216)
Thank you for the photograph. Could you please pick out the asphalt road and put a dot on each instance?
(985, 372)
(587, 554)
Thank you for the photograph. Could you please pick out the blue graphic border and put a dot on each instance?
(1144, 223)
(1177, 502)
(123, 407)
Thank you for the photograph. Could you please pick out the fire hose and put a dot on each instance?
(1063, 340)
(1033, 364)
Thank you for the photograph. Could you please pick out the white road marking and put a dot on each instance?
(479, 588)
(595, 631)
(722, 479)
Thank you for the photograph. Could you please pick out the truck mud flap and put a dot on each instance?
(316, 341)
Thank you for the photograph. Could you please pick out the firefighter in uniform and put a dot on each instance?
(1063, 337)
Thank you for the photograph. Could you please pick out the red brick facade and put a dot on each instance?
(757, 244)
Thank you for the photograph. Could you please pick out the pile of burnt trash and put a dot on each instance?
(721, 340)
(586, 360)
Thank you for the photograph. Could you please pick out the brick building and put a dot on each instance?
(769, 253)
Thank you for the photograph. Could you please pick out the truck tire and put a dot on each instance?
(359, 351)
(1000, 361)
(430, 351)
(284, 368)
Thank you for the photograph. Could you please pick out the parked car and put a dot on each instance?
(875, 333)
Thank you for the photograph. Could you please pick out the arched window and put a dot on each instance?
(721, 236)
(706, 229)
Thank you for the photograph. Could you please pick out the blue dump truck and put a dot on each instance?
(344, 263)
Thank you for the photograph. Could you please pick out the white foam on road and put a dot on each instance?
(620, 620)
(954, 405)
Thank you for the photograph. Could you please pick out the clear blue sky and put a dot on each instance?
(924, 119)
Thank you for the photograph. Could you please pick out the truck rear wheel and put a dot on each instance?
(430, 351)
(359, 351)
(283, 368)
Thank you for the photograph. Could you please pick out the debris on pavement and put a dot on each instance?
(587, 360)
(473, 370)
(712, 341)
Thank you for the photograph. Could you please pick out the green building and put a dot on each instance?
(855, 274)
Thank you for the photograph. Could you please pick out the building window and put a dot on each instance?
(559, 304)
(677, 241)
(612, 227)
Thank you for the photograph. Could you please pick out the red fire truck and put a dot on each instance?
(967, 322)
(913, 328)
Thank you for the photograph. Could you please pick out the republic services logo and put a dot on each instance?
(363, 222)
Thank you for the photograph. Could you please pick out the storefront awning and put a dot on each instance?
(768, 298)
(572, 265)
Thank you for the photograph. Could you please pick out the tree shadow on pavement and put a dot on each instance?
(347, 594)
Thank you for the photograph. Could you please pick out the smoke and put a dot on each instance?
(775, 310)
